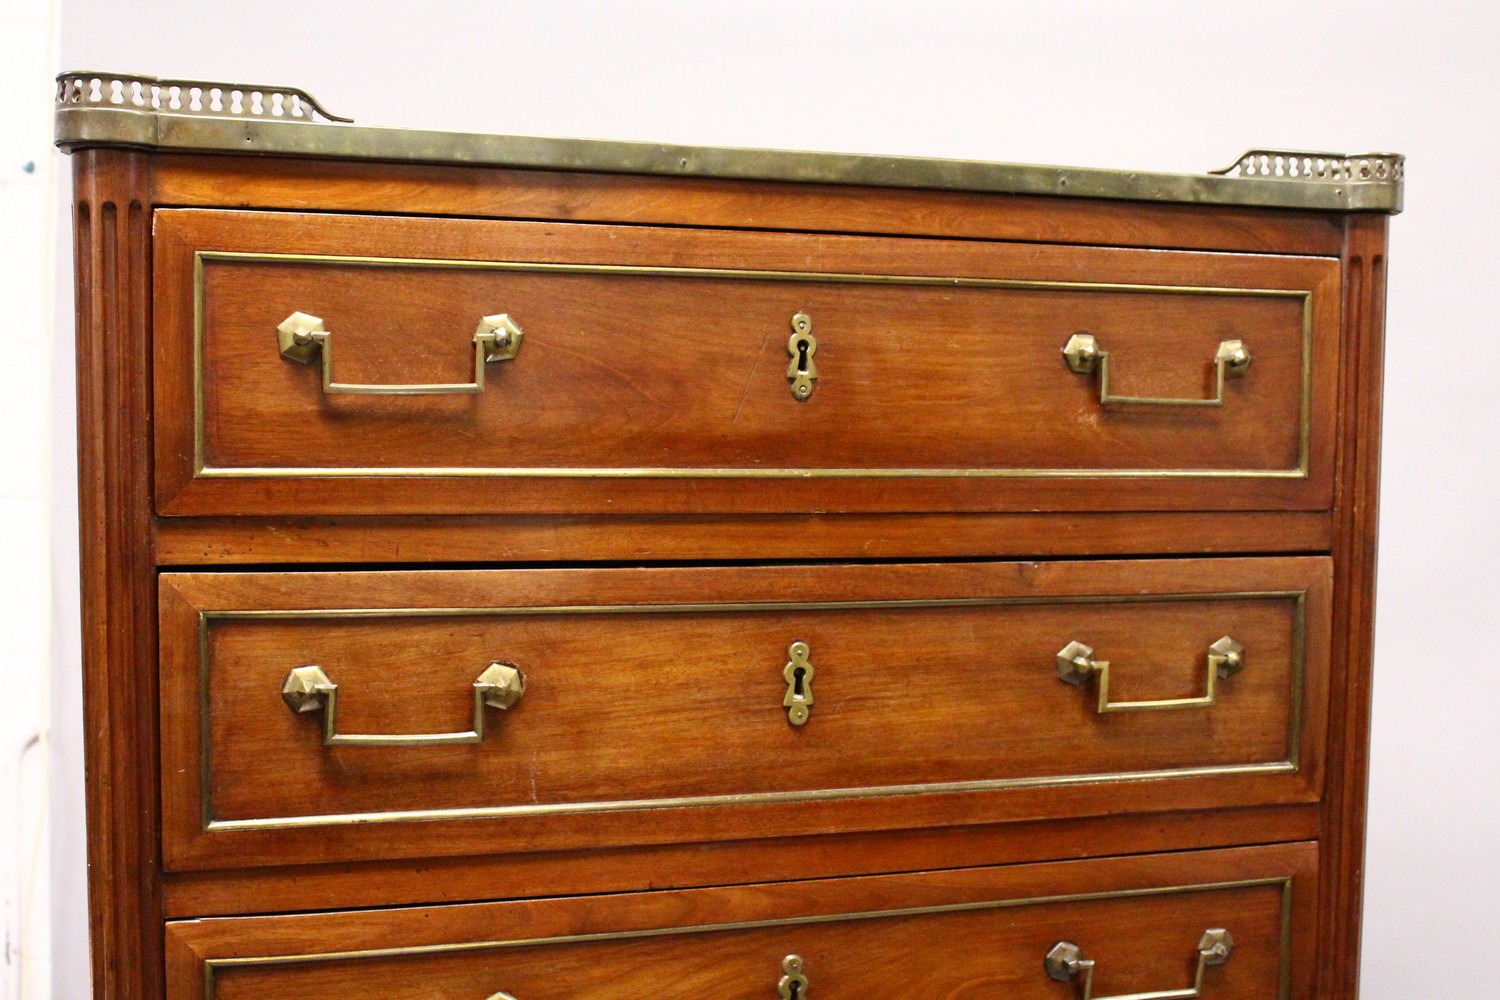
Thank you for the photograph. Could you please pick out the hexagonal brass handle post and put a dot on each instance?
(301, 336)
(1065, 963)
(1076, 664)
(308, 689)
(1085, 355)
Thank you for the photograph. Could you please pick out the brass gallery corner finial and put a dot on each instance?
(1333, 168)
(150, 94)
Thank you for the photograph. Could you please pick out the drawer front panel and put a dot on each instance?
(360, 715)
(679, 370)
(1236, 925)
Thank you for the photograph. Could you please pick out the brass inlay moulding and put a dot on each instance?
(112, 109)
(212, 965)
(210, 824)
(202, 470)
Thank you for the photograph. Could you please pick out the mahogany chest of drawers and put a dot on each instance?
(524, 569)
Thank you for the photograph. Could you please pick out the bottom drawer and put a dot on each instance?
(1225, 925)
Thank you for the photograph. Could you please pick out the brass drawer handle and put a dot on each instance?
(300, 336)
(308, 689)
(1065, 963)
(1085, 355)
(1076, 664)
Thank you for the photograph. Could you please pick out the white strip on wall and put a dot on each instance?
(27, 175)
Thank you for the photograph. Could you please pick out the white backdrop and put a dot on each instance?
(1163, 85)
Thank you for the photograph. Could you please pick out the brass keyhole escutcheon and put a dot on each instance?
(798, 674)
(794, 983)
(802, 345)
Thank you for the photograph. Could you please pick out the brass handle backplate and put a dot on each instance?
(300, 336)
(1085, 355)
(1076, 664)
(308, 689)
(802, 371)
(1065, 963)
(794, 983)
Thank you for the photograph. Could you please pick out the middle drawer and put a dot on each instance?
(327, 717)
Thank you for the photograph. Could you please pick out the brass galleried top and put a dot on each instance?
(196, 98)
(1330, 168)
(113, 109)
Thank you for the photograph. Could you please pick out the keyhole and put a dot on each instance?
(793, 984)
(798, 675)
(801, 370)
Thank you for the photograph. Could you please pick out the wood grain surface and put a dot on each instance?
(331, 186)
(1140, 919)
(922, 375)
(1354, 622)
(627, 381)
(659, 693)
(291, 886)
(111, 226)
(182, 541)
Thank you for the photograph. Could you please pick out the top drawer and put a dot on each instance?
(672, 371)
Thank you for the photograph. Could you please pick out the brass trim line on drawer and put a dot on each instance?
(201, 469)
(1291, 765)
(210, 965)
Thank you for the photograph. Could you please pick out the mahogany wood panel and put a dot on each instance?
(184, 541)
(654, 705)
(111, 232)
(572, 873)
(943, 935)
(763, 858)
(629, 381)
(309, 185)
(1354, 626)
